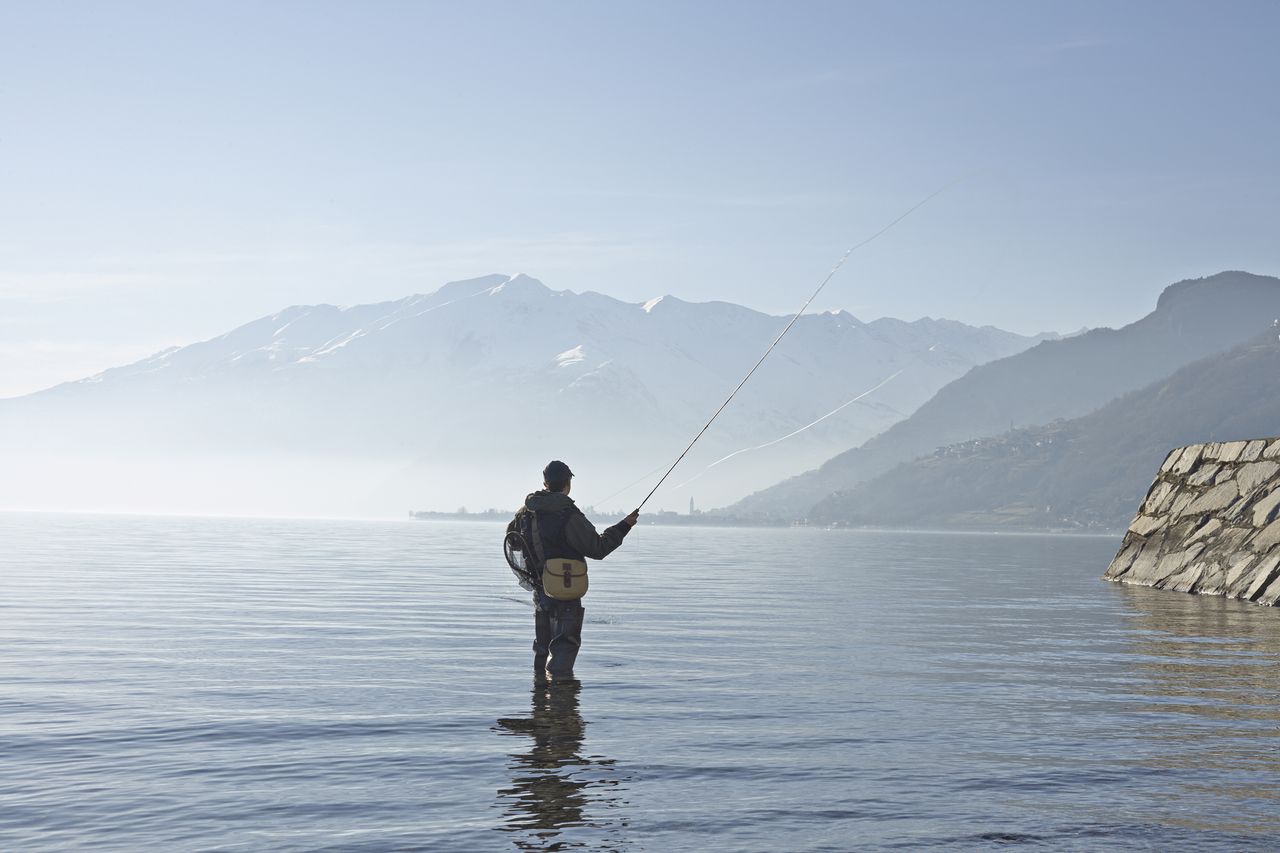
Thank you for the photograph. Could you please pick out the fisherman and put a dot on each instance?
(564, 532)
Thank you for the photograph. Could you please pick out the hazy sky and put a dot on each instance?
(170, 170)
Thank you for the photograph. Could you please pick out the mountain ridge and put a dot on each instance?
(395, 311)
(1056, 379)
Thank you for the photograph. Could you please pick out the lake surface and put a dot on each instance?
(201, 684)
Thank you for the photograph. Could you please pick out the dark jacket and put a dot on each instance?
(579, 533)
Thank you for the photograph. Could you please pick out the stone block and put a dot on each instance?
(1231, 451)
(1232, 539)
(1124, 559)
(1204, 474)
(1190, 457)
(1143, 570)
(1180, 504)
(1213, 581)
(1271, 594)
(1272, 451)
(1237, 571)
(1235, 512)
(1265, 574)
(1268, 538)
(1145, 525)
(1175, 536)
(1263, 509)
(1186, 580)
(1157, 498)
(1218, 498)
(1254, 474)
(1209, 528)
(1253, 450)
(1171, 565)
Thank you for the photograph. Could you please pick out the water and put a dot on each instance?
(190, 684)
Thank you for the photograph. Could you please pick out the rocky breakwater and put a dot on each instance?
(1209, 524)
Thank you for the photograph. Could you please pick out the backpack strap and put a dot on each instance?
(536, 544)
(565, 517)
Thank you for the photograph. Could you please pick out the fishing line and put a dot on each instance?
(787, 328)
(628, 486)
(836, 410)
(793, 433)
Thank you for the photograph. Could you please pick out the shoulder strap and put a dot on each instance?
(537, 541)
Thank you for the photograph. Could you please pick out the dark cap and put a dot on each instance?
(556, 472)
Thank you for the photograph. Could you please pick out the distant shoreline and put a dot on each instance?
(672, 519)
(665, 519)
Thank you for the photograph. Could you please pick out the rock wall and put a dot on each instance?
(1209, 524)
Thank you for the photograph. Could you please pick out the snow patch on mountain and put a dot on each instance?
(571, 356)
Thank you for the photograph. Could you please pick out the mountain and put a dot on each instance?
(1057, 379)
(1088, 472)
(460, 396)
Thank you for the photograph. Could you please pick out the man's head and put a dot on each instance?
(557, 476)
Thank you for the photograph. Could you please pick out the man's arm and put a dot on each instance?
(582, 536)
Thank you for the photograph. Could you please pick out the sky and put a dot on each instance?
(171, 170)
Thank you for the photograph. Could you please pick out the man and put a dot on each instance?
(564, 532)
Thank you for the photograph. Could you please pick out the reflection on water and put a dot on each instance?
(1208, 689)
(1208, 655)
(554, 786)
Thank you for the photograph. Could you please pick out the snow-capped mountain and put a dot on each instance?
(459, 397)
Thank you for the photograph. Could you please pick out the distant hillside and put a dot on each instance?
(460, 396)
(1057, 379)
(1090, 472)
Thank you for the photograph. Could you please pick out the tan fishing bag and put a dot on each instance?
(565, 579)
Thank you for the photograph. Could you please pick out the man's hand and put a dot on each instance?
(630, 520)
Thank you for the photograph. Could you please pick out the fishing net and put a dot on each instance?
(519, 559)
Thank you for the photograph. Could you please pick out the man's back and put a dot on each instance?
(563, 535)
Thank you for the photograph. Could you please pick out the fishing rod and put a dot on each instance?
(787, 328)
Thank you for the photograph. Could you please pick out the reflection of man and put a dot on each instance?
(544, 795)
(564, 532)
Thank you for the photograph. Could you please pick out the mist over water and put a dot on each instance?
(192, 684)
